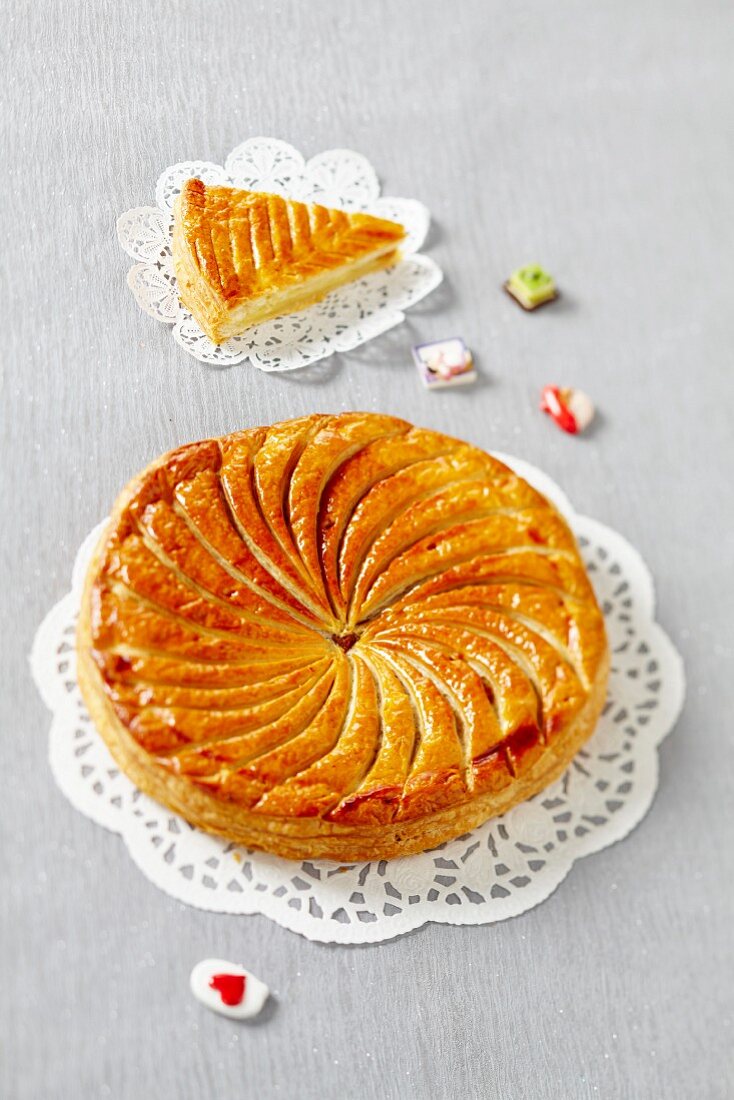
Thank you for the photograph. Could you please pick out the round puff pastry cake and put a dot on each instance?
(340, 637)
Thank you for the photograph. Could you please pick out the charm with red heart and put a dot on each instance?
(228, 988)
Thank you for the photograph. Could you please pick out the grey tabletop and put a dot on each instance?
(595, 138)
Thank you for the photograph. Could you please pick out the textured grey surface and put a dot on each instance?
(596, 138)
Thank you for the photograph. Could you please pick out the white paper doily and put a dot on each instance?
(342, 321)
(501, 869)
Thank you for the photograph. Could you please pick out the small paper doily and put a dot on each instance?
(345, 319)
(504, 867)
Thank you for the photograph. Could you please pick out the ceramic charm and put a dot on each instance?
(571, 409)
(228, 989)
(444, 363)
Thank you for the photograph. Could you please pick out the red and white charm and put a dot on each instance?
(572, 410)
(228, 989)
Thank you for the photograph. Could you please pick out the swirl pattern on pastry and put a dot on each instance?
(340, 636)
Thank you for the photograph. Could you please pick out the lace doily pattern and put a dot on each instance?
(345, 319)
(501, 869)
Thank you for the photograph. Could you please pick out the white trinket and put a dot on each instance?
(228, 989)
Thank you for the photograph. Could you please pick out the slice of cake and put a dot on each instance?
(243, 257)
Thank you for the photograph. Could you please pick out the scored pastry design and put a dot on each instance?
(242, 257)
(341, 637)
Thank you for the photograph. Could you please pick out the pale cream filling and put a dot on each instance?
(303, 293)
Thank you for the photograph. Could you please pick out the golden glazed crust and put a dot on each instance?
(242, 257)
(339, 637)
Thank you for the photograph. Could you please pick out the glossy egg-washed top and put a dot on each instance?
(248, 243)
(342, 616)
